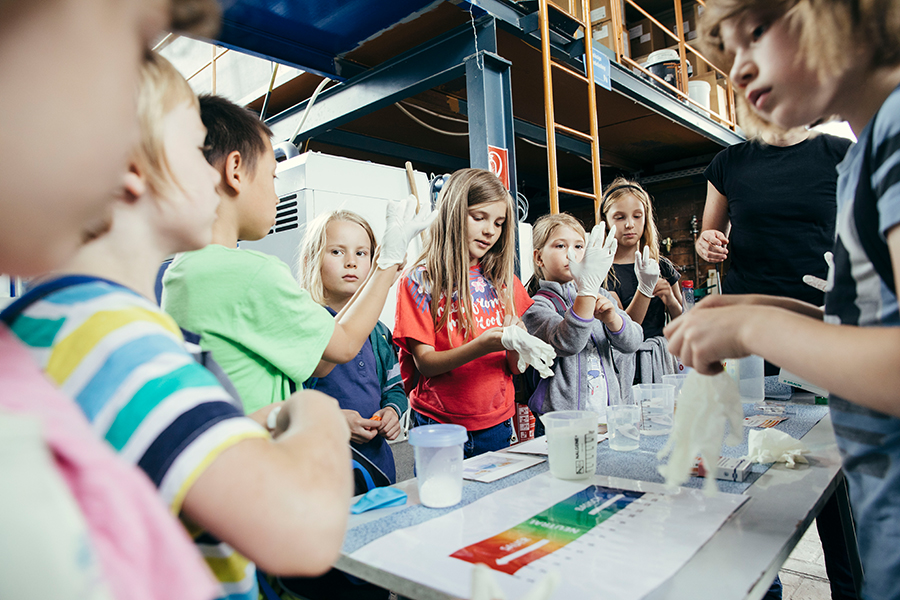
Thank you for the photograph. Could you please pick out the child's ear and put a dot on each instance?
(233, 172)
(133, 184)
(537, 258)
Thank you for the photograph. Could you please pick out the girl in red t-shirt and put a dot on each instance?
(454, 366)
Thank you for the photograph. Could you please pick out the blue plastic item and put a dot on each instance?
(437, 436)
(382, 497)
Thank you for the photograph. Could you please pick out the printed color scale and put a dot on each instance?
(549, 530)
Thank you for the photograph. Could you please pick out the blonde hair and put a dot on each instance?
(620, 188)
(312, 250)
(162, 89)
(542, 233)
(446, 255)
(830, 32)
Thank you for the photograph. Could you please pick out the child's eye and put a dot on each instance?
(362, 253)
(579, 246)
(335, 252)
(758, 31)
(560, 246)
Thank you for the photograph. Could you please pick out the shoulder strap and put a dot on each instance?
(865, 214)
(554, 298)
(12, 312)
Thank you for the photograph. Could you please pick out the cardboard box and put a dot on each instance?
(727, 469)
(600, 9)
(645, 37)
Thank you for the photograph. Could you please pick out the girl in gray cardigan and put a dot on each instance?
(572, 313)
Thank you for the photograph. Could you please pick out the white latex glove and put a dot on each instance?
(823, 285)
(402, 225)
(485, 587)
(532, 351)
(647, 271)
(598, 258)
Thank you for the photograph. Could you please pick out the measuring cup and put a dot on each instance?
(657, 402)
(439, 456)
(749, 374)
(571, 443)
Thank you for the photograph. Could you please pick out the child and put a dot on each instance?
(267, 333)
(452, 358)
(335, 258)
(645, 283)
(97, 334)
(86, 494)
(794, 65)
(591, 325)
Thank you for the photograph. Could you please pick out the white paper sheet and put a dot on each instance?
(642, 538)
(492, 466)
(539, 445)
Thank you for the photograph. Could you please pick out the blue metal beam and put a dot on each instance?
(422, 68)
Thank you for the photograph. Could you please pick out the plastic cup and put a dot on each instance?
(571, 443)
(749, 374)
(677, 381)
(624, 427)
(439, 456)
(657, 401)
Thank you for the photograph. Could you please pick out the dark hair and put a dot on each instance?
(230, 127)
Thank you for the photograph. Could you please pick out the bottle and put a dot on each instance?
(687, 295)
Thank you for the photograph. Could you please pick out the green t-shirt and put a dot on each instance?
(260, 326)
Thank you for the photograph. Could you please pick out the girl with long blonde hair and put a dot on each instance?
(451, 309)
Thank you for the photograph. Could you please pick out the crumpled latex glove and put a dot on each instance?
(823, 285)
(771, 445)
(647, 271)
(402, 225)
(598, 258)
(484, 587)
(532, 351)
(381, 497)
(704, 405)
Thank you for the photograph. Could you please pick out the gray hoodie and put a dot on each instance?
(569, 335)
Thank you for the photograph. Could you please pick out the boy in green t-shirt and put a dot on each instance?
(267, 333)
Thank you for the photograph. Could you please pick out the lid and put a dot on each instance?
(661, 56)
(437, 436)
(687, 283)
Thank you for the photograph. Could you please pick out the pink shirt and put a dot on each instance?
(144, 552)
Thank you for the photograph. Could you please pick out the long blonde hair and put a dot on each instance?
(618, 189)
(541, 233)
(312, 250)
(446, 255)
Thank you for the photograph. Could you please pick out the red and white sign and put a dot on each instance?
(498, 161)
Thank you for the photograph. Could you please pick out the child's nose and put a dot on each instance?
(743, 71)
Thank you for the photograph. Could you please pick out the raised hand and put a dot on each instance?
(598, 258)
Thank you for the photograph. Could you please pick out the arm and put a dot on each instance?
(637, 309)
(431, 362)
(568, 334)
(856, 363)
(669, 294)
(283, 504)
(712, 243)
(628, 336)
(790, 304)
(393, 399)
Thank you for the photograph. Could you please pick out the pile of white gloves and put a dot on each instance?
(402, 225)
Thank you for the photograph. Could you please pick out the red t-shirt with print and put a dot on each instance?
(478, 394)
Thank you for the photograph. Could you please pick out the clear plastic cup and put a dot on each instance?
(439, 456)
(571, 443)
(749, 374)
(677, 381)
(624, 426)
(657, 401)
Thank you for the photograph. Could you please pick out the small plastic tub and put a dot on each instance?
(439, 455)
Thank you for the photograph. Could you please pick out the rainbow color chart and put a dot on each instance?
(549, 530)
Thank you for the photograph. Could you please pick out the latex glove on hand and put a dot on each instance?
(402, 224)
(531, 350)
(823, 285)
(647, 271)
(598, 258)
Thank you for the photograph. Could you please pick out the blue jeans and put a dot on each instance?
(484, 440)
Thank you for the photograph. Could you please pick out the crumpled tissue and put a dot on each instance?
(771, 445)
(382, 497)
(704, 405)
(485, 587)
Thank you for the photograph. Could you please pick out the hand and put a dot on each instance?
(491, 340)
(530, 349)
(823, 285)
(712, 246)
(402, 225)
(590, 273)
(605, 310)
(647, 271)
(361, 430)
(703, 339)
(390, 423)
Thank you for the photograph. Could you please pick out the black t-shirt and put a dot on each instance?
(626, 288)
(782, 205)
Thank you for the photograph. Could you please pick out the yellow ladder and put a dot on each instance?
(549, 120)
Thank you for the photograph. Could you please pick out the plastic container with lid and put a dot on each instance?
(666, 65)
(687, 295)
(439, 455)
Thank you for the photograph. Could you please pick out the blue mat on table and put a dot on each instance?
(640, 464)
